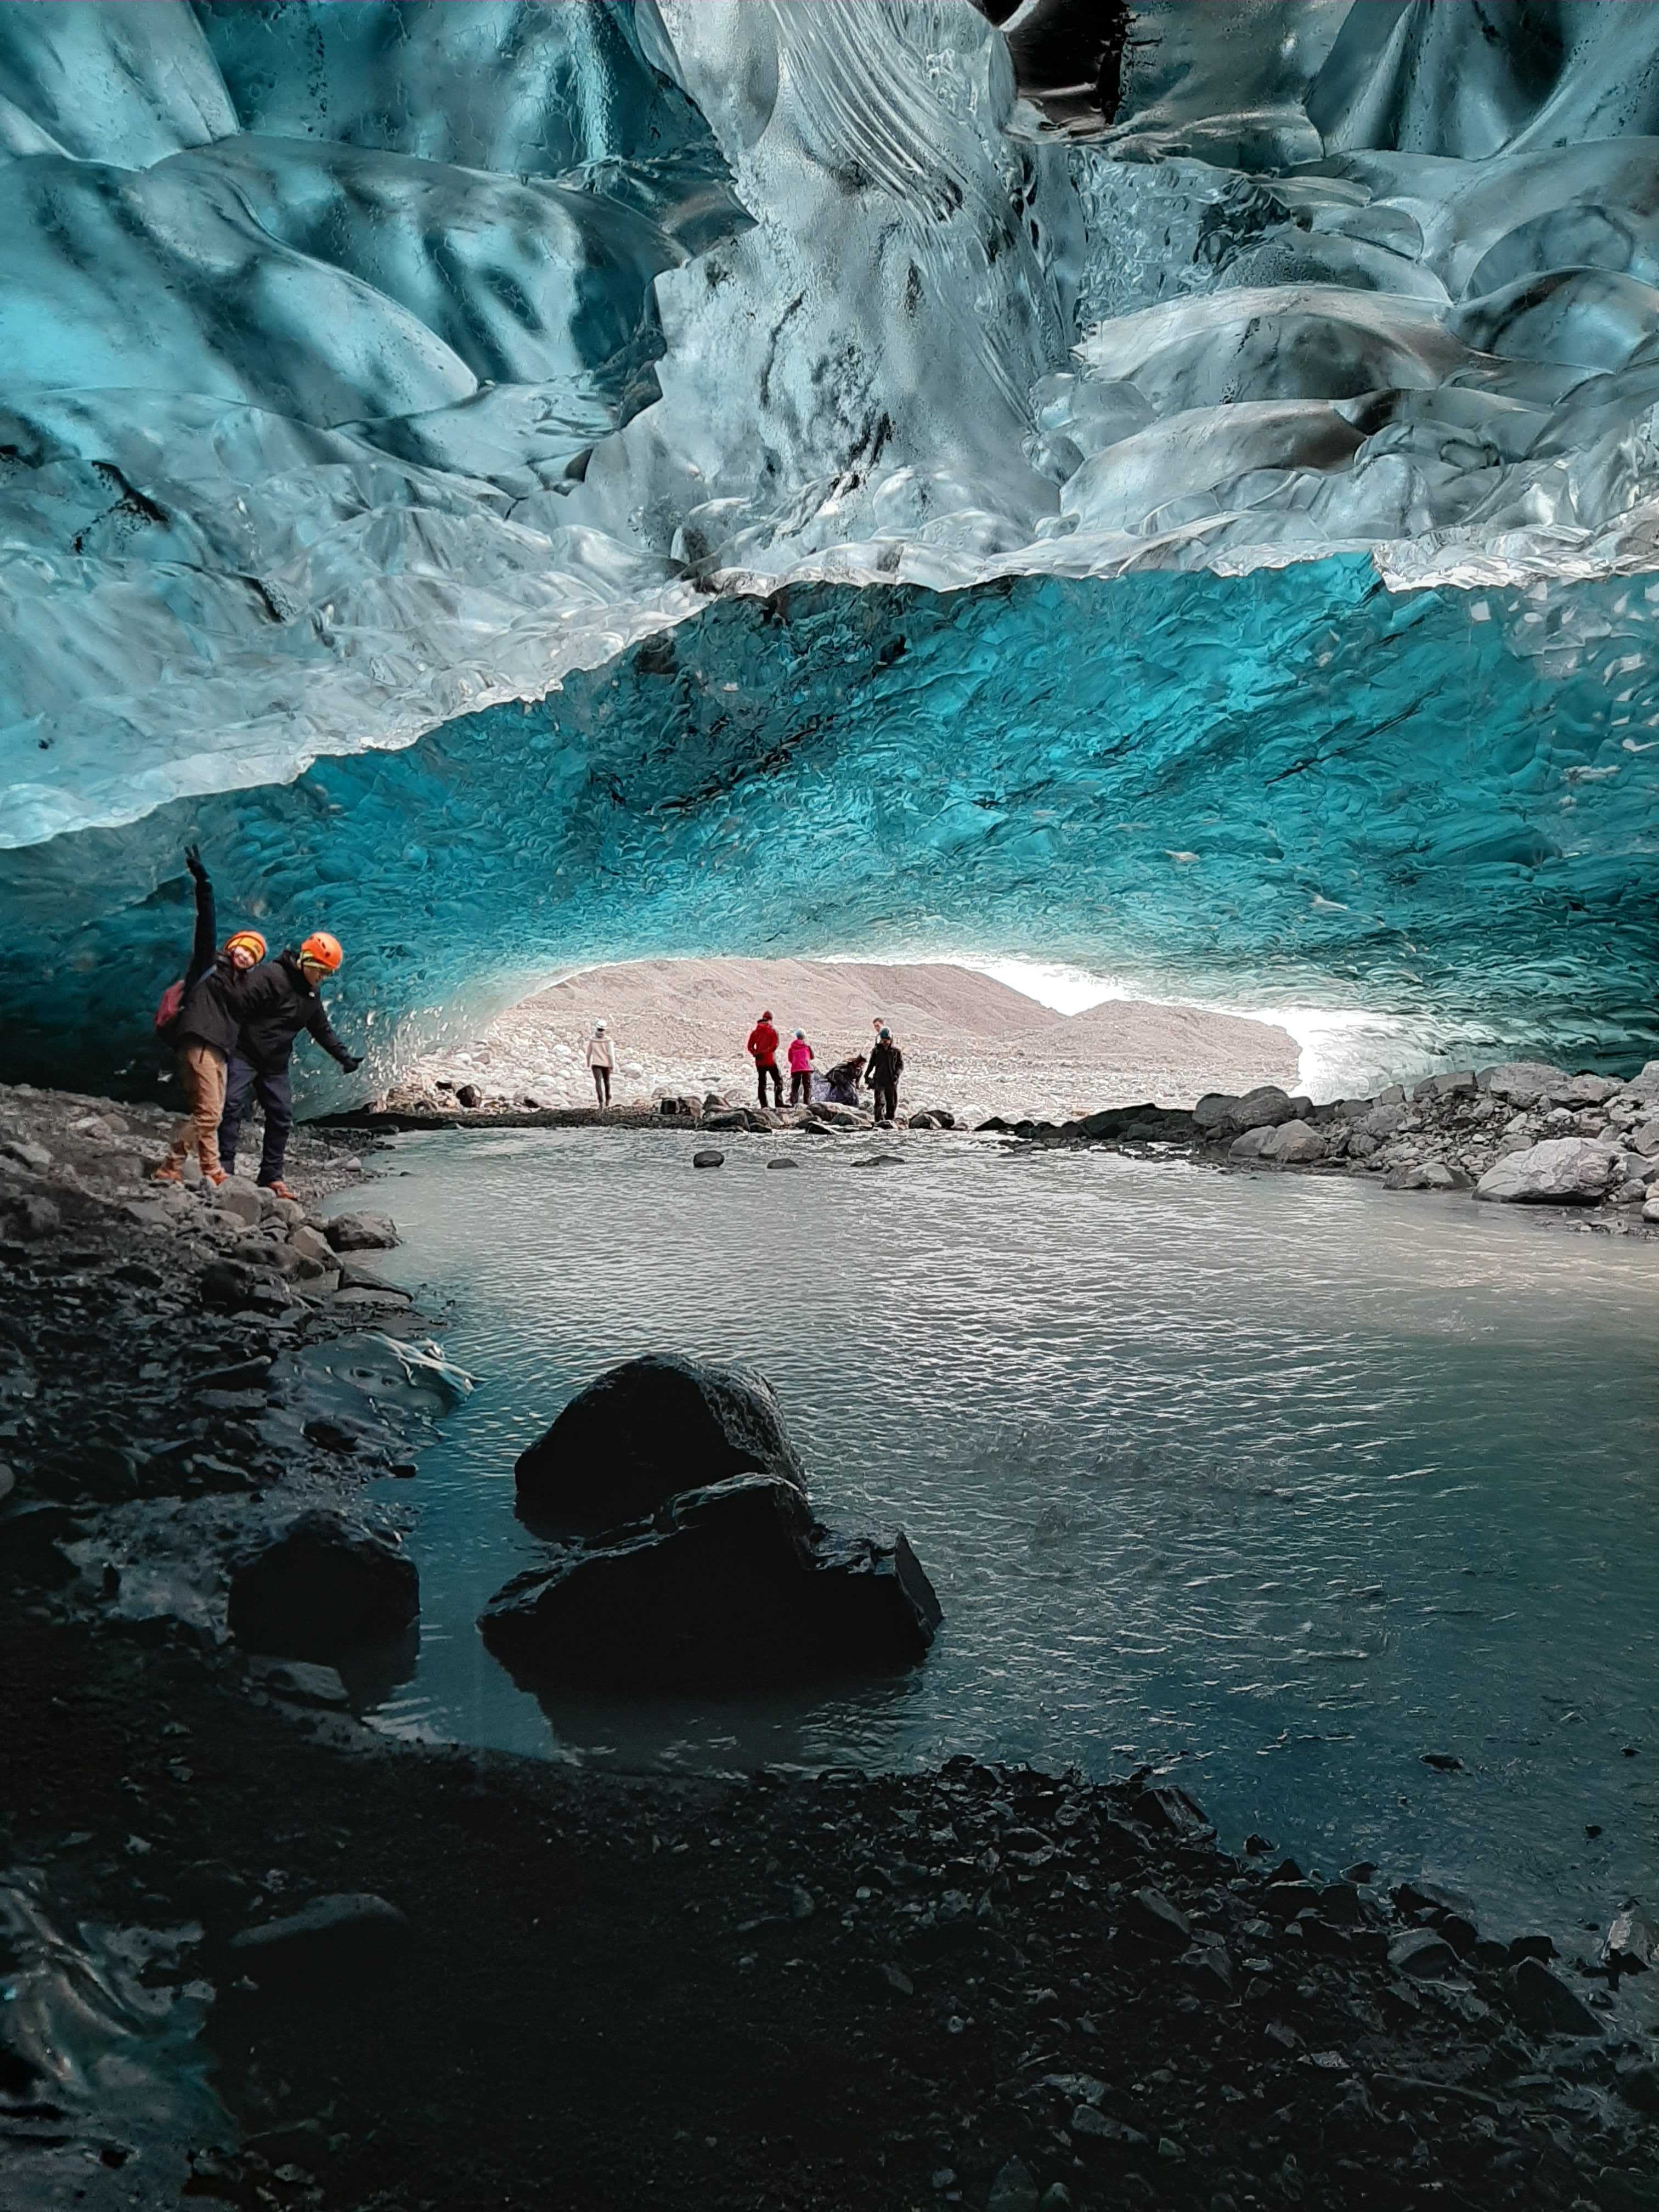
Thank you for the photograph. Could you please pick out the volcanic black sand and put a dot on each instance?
(980, 1986)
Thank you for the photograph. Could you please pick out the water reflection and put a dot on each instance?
(1282, 1482)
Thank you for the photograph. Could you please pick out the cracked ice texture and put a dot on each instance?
(373, 369)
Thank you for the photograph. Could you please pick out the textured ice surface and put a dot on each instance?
(1294, 784)
(373, 372)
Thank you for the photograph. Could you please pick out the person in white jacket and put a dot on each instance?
(601, 1058)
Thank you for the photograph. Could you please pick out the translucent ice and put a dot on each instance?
(375, 372)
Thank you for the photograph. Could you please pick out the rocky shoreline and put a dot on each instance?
(1522, 1132)
(427, 1980)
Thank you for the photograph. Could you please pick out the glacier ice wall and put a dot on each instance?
(1168, 485)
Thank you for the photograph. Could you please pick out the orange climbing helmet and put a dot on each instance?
(324, 950)
(247, 940)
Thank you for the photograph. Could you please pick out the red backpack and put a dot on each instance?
(168, 1013)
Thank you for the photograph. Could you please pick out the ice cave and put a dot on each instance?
(1083, 577)
(537, 483)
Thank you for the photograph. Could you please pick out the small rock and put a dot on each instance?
(468, 1095)
(1150, 1915)
(35, 1157)
(335, 1942)
(299, 1684)
(27, 1218)
(1422, 1955)
(1252, 1146)
(1445, 1762)
(322, 1588)
(1014, 2191)
(708, 1159)
(361, 1232)
(1100, 2127)
(354, 1276)
(240, 1199)
(1207, 1965)
(1545, 2005)
(313, 1249)
(783, 1162)
(233, 1286)
(1631, 1942)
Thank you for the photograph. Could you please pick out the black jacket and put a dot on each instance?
(211, 1009)
(278, 1001)
(885, 1066)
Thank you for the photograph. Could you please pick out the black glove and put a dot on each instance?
(193, 862)
(352, 1062)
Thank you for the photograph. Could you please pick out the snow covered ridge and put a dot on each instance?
(335, 337)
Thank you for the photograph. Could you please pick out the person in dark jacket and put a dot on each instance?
(280, 1000)
(885, 1067)
(843, 1081)
(203, 1030)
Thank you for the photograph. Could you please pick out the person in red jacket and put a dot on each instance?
(762, 1049)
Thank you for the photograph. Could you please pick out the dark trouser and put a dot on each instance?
(762, 1069)
(244, 1081)
(800, 1086)
(886, 1101)
(602, 1084)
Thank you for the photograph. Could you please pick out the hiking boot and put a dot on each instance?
(280, 1189)
(167, 1173)
(214, 1175)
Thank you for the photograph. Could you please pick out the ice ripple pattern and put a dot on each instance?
(372, 371)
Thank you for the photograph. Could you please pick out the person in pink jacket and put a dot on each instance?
(800, 1071)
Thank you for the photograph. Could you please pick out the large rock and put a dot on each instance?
(734, 1586)
(647, 1429)
(1561, 1171)
(1211, 1112)
(1261, 1109)
(1523, 1081)
(1294, 1144)
(361, 1232)
(324, 1587)
(1644, 1086)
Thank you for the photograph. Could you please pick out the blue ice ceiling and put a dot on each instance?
(1173, 488)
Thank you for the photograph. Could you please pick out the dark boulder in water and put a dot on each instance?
(733, 1586)
(323, 1589)
(645, 1431)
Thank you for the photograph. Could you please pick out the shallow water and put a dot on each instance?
(1274, 1482)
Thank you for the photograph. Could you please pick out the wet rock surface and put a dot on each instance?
(697, 1559)
(644, 1430)
(322, 1588)
(1524, 1132)
(735, 1586)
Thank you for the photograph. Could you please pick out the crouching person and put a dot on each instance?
(199, 1017)
(280, 1000)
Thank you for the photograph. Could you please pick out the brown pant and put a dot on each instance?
(202, 1071)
